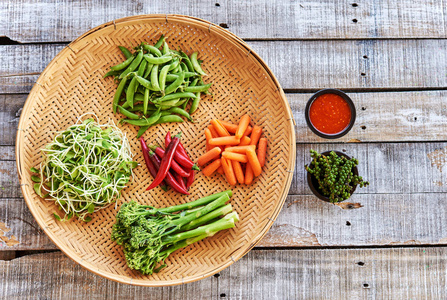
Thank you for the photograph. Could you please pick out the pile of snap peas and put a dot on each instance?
(157, 83)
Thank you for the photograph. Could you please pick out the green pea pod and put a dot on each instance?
(133, 66)
(196, 64)
(179, 111)
(125, 51)
(165, 48)
(122, 65)
(195, 104)
(197, 88)
(187, 61)
(194, 82)
(168, 104)
(152, 50)
(177, 69)
(142, 67)
(145, 122)
(169, 119)
(175, 96)
(148, 70)
(160, 41)
(185, 104)
(118, 93)
(111, 73)
(154, 78)
(140, 107)
(131, 91)
(174, 86)
(162, 77)
(184, 67)
(142, 130)
(128, 113)
(181, 102)
(172, 76)
(174, 65)
(144, 82)
(157, 60)
(137, 98)
(145, 101)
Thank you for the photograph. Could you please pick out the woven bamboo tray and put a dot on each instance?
(72, 84)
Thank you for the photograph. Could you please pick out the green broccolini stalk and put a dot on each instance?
(149, 235)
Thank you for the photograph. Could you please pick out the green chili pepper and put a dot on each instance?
(174, 86)
(128, 113)
(196, 64)
(119, 91)
(135, 63)
(125, 51)
(198, 88)
(195, 104)
(158, 60)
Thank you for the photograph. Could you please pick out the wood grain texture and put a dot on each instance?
(305, 221)
(56, 21)
(298, 65)
(408, 273)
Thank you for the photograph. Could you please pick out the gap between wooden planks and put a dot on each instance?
(298, 65)
(403, 273)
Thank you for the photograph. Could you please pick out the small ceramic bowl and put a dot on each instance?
(313, 183)
(346, 98)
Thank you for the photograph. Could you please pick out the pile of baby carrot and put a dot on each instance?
(235, 150)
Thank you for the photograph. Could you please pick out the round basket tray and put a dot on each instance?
(72, 85)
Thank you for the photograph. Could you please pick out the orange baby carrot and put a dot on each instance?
(255, 135)
(224, 140)
(254, 162)
(262, 151)
(243, 124)
(212, 167)
(210, 155)
(238, 171)
(233, 127)
(220, 129)
(245, 140)
(220, 170)
(240, 149)
(208, 137)
(213, 131)
(235, 156)
(228, 170)
(248, 174)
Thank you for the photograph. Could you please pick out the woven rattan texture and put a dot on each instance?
(72, 85)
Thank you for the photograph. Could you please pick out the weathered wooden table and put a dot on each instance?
(390, 56)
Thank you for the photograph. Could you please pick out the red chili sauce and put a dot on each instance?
(330, 114)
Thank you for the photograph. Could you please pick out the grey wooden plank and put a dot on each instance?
(10, 109)
(305, 221)
(55, 21)
(399, 273)
(298, 65)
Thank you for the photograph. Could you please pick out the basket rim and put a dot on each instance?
(194, 21)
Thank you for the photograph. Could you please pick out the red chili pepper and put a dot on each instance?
(174, 166)
(190, 179)
(180, 154)
(170, 180)
(166, 162)
(180, 180)
(149, 164)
